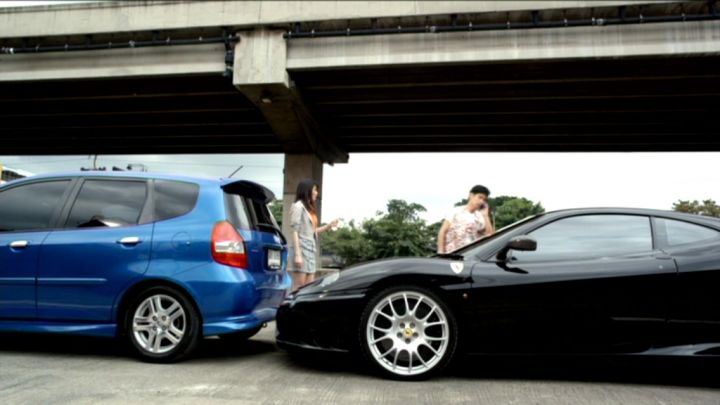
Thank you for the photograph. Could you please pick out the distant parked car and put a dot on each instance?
(157, 259)
(584, 281)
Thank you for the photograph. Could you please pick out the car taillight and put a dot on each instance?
(228, 247)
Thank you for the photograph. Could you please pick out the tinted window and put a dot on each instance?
(30, 206)
(237, 211)
(590, 236)
(108, 203)
(681, 233)
(262, 212)
(174, 198)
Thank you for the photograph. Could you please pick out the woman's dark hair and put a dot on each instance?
(304, 193)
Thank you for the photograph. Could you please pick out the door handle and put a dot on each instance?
(129, 241)
(19, 244)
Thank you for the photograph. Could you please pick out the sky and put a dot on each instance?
(360, 188)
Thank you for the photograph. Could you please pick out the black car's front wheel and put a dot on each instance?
(408, 333)
(162, 325)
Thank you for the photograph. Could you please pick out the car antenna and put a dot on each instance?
(236, 170)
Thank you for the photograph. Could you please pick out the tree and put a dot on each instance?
(708, 207)
(509, 209)
(347, 244)
(276, 207)
(399, 232)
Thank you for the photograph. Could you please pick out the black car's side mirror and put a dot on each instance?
(524, 243)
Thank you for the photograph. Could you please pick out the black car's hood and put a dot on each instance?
(363, 276)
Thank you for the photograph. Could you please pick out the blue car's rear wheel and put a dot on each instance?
(162, 325)
(408, 333)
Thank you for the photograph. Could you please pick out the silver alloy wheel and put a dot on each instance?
(159, 324)
(407, 333)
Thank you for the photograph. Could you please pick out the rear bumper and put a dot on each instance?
(231, 300)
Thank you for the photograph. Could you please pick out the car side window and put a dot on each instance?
(174, 198)
(589, 236)
(108, 203)
(30, 206)
(680, 233)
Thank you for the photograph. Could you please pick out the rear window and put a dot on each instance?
(237, 211)
(174, 198)
(248, 213)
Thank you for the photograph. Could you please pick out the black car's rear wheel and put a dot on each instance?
(408, 333)
(162, 325)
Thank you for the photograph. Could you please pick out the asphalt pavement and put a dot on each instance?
(48, 369)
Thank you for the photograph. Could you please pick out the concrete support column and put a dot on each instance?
(297, 168)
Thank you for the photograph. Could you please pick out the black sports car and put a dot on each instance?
(580, 281)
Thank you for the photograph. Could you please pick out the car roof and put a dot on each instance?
(132, 174)
(634, 211)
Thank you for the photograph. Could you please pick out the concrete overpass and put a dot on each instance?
(318, 80)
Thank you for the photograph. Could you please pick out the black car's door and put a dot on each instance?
(695, 313)
(595, 283)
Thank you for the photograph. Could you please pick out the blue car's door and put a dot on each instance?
(27, 213)
(104, 246)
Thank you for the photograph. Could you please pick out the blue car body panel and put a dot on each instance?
(76, 280)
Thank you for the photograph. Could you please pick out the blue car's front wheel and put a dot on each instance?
(162, 325)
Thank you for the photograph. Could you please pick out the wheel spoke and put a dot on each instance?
(421, 359)
(384, 314)
(177, 333)
(427, 325)
(429, 313)
(158, 304)
(156, 344)
(144, 320)
(152, 337)
(142, 328)
(380, 329)
(410, 353)
(380, 339)
(175, 311)
(435, 339)
(151, 305)
(407, 305)
(429, 346)
(172, 337)
(417, 304)
(397, 354)
(382, 356)
(392, 308)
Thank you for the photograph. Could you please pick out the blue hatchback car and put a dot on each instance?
(159, 260)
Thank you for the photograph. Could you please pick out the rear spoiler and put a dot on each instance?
(250, 190)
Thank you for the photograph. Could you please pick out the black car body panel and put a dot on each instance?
(640, 302)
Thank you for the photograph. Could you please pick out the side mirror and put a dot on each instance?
(524, 243)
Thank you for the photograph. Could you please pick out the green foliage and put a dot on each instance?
(276, 207)
(401, 232)
(707, 207)
(348, 244)
(509, 209)
(398, 232)
(514, 209)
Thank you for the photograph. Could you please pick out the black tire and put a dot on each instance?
(190, 324)
(414, 336)
(240, 336)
